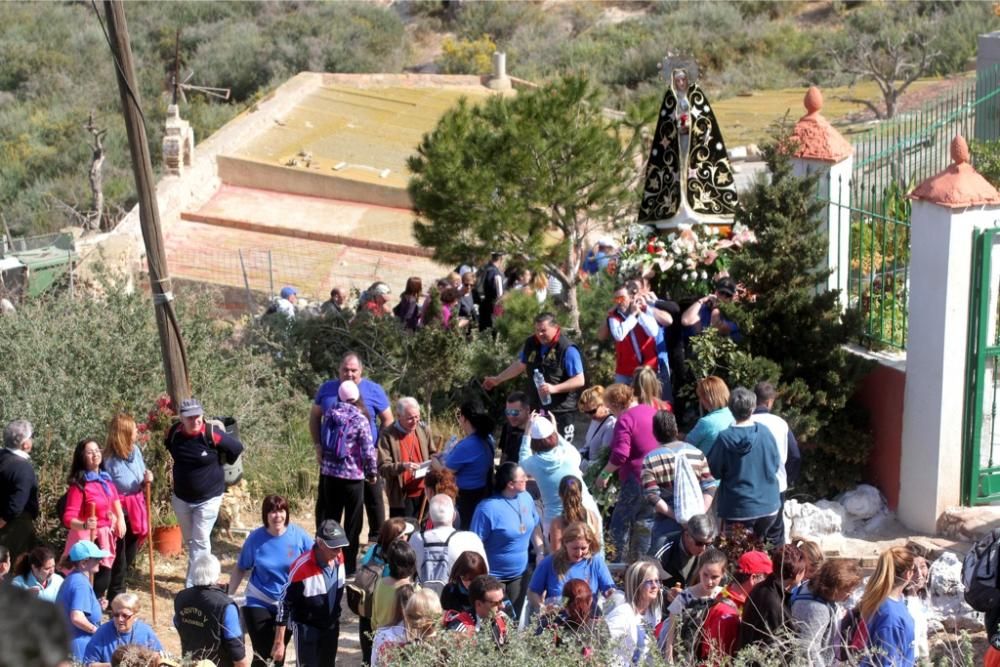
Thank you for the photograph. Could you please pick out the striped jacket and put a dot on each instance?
(311, 597)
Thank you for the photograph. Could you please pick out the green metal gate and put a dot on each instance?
(981, 450)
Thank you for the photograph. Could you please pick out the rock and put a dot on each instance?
(738, 153)
(863, 502)
(925, 547)
(809, 521)
(946, 605)
(945, 576)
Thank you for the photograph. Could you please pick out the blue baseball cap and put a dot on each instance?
(288, 291)
(85, 549)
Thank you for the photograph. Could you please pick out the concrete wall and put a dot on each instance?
(881, 393)
(252, 174)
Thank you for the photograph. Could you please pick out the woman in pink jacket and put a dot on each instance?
(93, 509)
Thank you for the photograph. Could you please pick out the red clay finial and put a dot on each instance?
(959, 185)
(816, 138)
(813, 100)
(959, 149)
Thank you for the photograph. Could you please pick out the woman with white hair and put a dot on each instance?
(124, 628)
(404, 448)
(632, 624)
(207, 619)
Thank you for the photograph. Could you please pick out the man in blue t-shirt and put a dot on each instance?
(380, 414)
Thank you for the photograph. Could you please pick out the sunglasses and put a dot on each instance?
(652, 583)
(621, 299)
(512, 412)
(702, 544)
(122, 615)
(591, 412)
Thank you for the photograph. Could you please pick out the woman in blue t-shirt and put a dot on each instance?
(471, 459)
(890, 626)
(577, 558)
(506, 522)
(267, 554)
(77, 598)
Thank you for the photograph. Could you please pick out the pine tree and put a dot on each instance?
(800, 327)
(531, 175)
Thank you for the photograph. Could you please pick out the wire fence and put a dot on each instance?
(889, 162)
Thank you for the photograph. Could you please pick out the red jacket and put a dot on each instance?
(636, 349)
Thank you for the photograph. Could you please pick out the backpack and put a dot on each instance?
(853, 637)
(479, 289)
(435, 568)
(334, 439)
(980, 570)
(690, 623)
(361, 591)
(688, 499)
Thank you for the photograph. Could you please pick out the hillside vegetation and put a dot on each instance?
(57, 69)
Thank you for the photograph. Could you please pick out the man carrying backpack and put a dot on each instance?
(199, 451)
(437, 549)
(489, 289)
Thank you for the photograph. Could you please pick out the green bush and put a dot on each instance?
(70, 364)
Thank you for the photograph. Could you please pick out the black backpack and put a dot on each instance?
(479, 289)
(980, 570)
(690, 623)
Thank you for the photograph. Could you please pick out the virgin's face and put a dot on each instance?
(91, 456)
(43, 573)
(680, 80)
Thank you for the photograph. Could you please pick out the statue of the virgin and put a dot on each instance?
(688, 176)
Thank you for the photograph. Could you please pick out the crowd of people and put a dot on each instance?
(494, 529)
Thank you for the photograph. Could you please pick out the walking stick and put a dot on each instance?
(92, 514)
(149, 538)
(423, 506)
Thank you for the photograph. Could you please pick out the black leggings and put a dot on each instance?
(102, 580)
(260, 627)
(125, 552)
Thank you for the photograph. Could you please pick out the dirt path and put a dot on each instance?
(170, 573)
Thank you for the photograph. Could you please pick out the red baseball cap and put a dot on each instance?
(755, 562)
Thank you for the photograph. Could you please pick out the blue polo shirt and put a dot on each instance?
(104, 642)
(76, 594)
(371, 393)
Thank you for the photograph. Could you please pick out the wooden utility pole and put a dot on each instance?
(171, 344)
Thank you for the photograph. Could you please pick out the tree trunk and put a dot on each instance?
(573, 305)
(97, 188)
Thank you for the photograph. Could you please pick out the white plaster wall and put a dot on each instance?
(940, 267)
(836, 219)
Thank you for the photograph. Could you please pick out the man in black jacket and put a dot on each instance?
(18, 490)
(198, 451)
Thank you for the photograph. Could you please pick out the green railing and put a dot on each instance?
(914, 146)
(889, 161)
(877, 273)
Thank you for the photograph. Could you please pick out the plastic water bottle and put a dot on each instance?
(539, 381)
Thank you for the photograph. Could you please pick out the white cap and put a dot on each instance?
(541, 428)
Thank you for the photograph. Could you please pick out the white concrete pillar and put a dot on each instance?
(822, 149)
(947, 208)
(499, 79)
